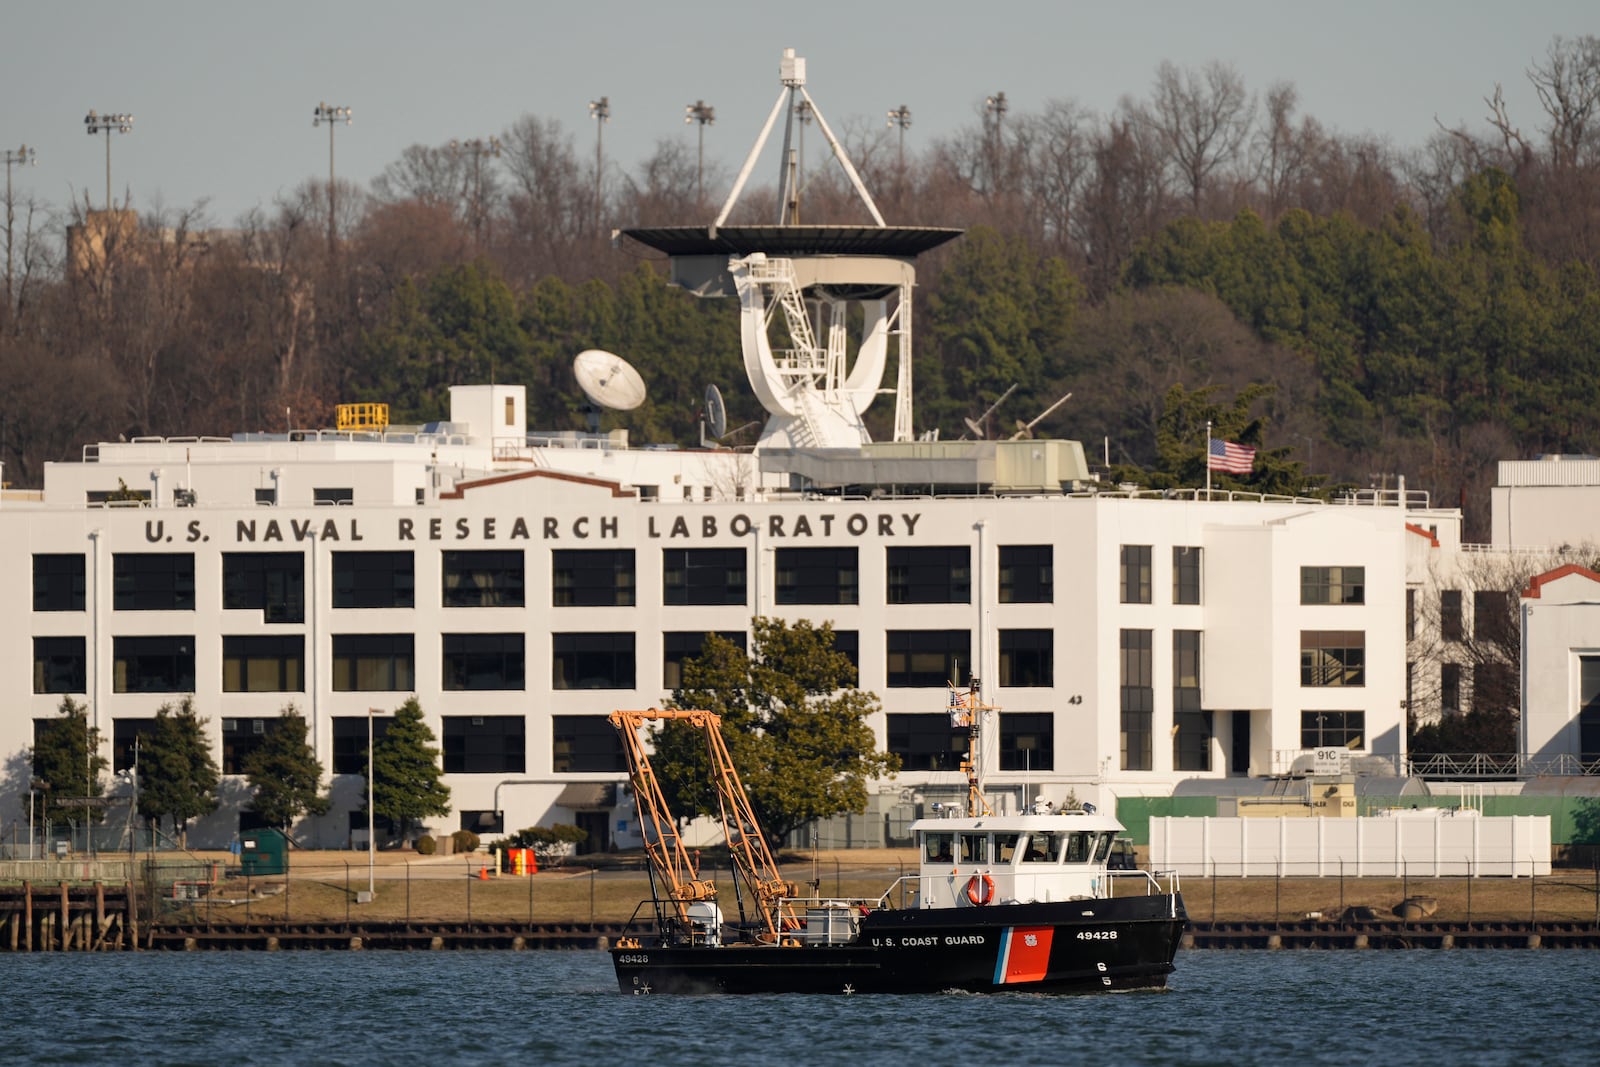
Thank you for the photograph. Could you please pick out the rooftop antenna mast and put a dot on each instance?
(792, 72)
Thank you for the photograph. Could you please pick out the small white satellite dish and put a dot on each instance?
(974, 427)
(607, 380)
(716, 412)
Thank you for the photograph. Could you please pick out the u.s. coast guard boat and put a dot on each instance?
(1016, 902)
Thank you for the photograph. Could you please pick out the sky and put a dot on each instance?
(222, 92)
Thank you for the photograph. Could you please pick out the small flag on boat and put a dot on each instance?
(1230, 458)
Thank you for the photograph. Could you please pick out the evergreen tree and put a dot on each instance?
(286, 774)
(795, 726)
(66, 763)
(405, 772)
(177, 777)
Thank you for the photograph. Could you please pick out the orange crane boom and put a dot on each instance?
(747, 844)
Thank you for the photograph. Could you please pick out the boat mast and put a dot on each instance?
(966, 712)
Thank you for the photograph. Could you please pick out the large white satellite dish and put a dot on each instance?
(716, 412)
(607, 380)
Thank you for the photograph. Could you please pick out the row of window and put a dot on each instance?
(274, 582)
(495, 661)
(587, 744)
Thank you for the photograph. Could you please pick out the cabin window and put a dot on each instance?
(974, 848)
(1080, 846)
(1104, 851)
(1043, 848)
(1005, 847)
(938, 848)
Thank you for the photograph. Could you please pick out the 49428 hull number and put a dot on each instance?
(1097, 935)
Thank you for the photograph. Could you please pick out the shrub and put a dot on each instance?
(464, 841)
(550, 844)
(426, 846)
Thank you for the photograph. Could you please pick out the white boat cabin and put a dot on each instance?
(1014, 859)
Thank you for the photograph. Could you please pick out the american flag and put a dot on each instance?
(1230, 458)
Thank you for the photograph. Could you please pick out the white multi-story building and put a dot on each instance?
(524, 586)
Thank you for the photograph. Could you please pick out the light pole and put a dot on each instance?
(901, 117)
(705, 115)
(372, 841)
(996, 106)
(93, 124)
(34, 786)
(600, 111)
(23, 156)
(331, 116)
(479, 147)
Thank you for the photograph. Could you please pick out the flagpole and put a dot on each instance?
(1208, 459)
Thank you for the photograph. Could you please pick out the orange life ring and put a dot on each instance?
(980, 892)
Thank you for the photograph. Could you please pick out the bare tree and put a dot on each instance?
(1204, 119)
(1568, 84)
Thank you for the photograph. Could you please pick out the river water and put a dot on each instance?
(1297, 1009)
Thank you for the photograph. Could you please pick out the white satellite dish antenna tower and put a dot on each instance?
(609, 382)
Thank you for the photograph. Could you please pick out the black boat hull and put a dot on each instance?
(1076, 946)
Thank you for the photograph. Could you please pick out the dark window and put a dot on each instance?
(1450, 687)
(925, 742)
(153, 664)
(592, 577)
(1492, 617)
(333, 496)
(939, 574)
(1191, 737)
(817, 576)
(1027, 741)
(374, 663)
(483, 821)
(1185, 574)
(1589, 708)
(1134, 576)
(58, 582)
(592, 661)
(1333, 657)
(1027, 574)
(849, 642)
(266, 497)
(120, 497)
(152, 581)
(483, 661)
(485, 744)
(1027, 657)
(1191, 742)
(270, 664)
(350, 742)
(374, 580)
(273, 583)
(680, 645)
(1450, 614)
(1333, 585)
(703, 576)
(487, 579)
(1138, 700)
(60, 665)
(1411, 614)
(927, 657)
(123, 734)
(585, 744)
(1333, 729)
(240, 737)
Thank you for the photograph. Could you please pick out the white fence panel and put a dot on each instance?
(1416, 843)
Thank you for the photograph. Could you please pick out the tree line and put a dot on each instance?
(1419, 310)
(174, 779)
